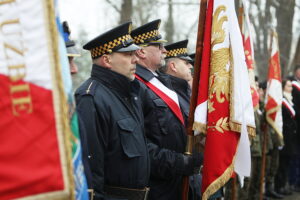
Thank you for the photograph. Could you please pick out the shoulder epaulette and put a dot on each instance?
(89, 88)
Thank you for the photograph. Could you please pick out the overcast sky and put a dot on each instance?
(97, 16)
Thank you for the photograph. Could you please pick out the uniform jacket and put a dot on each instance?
(112, 131)
(166, 142)
(289, 132)
(296, 101)
(182, 88)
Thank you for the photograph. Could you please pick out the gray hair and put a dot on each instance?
(164, 68)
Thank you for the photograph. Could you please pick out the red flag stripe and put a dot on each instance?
(35, 159)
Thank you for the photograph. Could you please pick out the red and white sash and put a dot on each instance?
(173, 105)
(289, 107)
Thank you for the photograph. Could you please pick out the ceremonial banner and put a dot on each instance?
(200, 115)
(35, 134)
(274, 89)
(249, 55)
(81, 188)
(228, 112)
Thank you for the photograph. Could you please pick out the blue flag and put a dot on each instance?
(81, 189)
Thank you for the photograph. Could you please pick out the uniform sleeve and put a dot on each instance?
(92, 131)
(166, 164)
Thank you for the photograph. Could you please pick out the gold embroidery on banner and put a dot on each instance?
(222, 124)
(2, 2)
(219, 75)
(210, 106)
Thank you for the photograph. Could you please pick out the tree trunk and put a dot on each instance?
(170, 23)
(262, 29)
(126, 11)
(285, 16)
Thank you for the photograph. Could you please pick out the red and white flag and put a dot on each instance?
(35, 152)
(274, 95)
(249, 54)
(225, 113)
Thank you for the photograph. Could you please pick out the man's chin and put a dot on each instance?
(131, 78)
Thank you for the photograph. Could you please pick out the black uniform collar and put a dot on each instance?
(113, 80)
(180, 84)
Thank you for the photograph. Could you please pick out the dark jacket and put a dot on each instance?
(182, 88)
(289, 132)
(296, 101)
(112, 131)
(166, 143)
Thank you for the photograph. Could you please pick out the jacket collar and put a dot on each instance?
(144, 73)
(113, 80)
(147, 75)
(179, 84)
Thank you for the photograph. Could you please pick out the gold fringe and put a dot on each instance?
(272, 124)
(199, 127)
(235, 126)
(251, 131)
(219, 182)
(63, 108)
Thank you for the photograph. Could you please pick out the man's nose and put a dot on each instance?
(74, 68)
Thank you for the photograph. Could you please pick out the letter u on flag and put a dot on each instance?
(35, 153)
(274, 96)
(224, 111)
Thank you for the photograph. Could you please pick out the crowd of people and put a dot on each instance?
(133, 112)
(278, 176)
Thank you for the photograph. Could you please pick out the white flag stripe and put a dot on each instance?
(243, 112)
(32, 44)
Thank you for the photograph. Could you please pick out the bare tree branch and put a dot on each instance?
(179, 3)
(191, 28)
(114, 6)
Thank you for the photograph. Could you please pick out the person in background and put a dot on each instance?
(112, 123)
(72, 51)
(257, 147)
(294, 174)
(178, 67)
(192, 56)
(290, 139)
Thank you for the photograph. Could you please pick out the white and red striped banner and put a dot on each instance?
(225, 111)
(274, 95)
(34, 162)
(249, 55)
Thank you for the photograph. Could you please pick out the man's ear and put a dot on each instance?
(106, 61)
(172, 66)
(141, 53)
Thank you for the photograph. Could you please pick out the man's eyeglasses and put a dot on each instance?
(159, 45)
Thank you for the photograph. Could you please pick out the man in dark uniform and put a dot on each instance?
(111, 119)
(178, 67)
(164, 121)
(294, 178)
